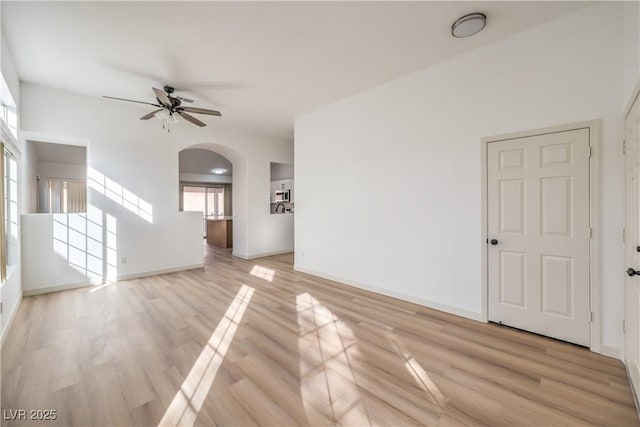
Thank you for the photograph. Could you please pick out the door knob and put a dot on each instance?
(631, 272)
(493, 242)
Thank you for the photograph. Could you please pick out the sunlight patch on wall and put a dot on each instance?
(188, 401)
(263, 273)
(116, 192)
(79, 238)
(328, 352)
(111, 248)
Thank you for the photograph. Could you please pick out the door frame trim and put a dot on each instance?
(632, 98)
(594, 217)
(623, 352)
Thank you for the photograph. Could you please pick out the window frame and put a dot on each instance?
(10, 223)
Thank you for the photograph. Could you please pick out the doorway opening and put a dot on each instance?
(206, 182)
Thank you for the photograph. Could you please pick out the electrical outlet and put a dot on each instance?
(123, 260)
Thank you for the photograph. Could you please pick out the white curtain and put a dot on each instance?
(66, 196)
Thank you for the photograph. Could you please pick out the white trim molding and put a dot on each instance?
(633, 391)
(158, 272)
(76, 285)
(262, 254)
(12, 316)
(58, 288)
(386, 292)
(607, 350)
(633, 97)
(594, 221)
(27, 135)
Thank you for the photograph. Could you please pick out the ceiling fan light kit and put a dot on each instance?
(167, 118)
(170, 109)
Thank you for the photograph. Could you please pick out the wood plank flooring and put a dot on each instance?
(246, 343)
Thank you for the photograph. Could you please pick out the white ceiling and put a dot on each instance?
(280, 171)
(196, 160)
(273, 59)
(60, 153)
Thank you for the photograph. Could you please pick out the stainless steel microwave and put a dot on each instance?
(283, 196)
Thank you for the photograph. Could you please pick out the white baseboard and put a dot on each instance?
(410, 298)
(633, 391)
(69, 286)
(239, 255)
(157, 272)
(7, 325)
(58, 288)
(614, 352)
(262, 254)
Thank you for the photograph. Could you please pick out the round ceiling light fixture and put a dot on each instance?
(218, 171)
(468, 25)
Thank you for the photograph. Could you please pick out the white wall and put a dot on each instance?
(204, 178)
(9, 73)
(271, 239)
(631, 47)
(405, 162)
(280, 172)
(240, 197)
(58, 269)
(143, 158)
(28, 183)
(61, 171)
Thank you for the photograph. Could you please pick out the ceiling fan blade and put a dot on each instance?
(209, 86)
(190, 118)
(131, 100)
(162, 97)
(183, 99)
(201, 111)
(150, 115)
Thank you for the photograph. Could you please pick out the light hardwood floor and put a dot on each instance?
(245, 343)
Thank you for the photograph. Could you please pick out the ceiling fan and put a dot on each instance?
(170, 108)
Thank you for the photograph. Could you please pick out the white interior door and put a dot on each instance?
(632, 242)
(538, 229)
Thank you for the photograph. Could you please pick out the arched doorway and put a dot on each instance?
(211, 178)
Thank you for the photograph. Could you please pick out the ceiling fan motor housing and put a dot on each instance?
(175, 102)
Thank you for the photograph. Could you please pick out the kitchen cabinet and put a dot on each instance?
(220, 232)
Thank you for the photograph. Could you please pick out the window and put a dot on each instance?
(9, 186)
(215, 201)
(194, 199)
(8, 110)
(9, 116)
(65, 196)
(10, 208)
(208, 200)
